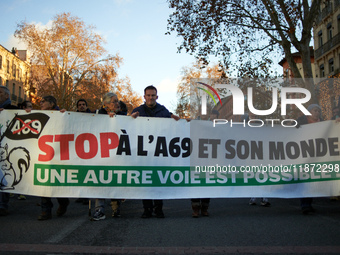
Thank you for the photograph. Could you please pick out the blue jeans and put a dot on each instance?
(100, 204)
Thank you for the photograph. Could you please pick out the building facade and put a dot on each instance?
(287, 72)
(326, 33)
(15, 73)
(327, 39)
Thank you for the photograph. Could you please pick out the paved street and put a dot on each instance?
(234, 227)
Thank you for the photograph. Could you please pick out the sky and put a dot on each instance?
(135, 29)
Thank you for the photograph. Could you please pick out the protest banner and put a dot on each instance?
(72, 154)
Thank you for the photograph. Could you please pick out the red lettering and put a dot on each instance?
(80, 146)
(64, 145)
(49, 152)
(108, 141)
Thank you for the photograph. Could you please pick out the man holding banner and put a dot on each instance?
(152, 109)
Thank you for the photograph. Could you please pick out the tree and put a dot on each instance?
(187, 101)
(104, 79)
(236, 30)
(125, 93)
(69, 54)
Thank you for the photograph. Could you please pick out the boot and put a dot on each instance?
(204, 209)
(195, 209)
(45, 216)
(63, 203)
(159, 211)
(115, 205)
(147, 213)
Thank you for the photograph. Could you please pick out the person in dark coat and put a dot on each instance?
(50, 103)
(315, 110)
(82, 106)
(152, 109)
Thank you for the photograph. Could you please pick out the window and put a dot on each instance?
(7, 83)
(19, 92)
(0, 81)
(0, 62)
(13, 89)
(329, 31)
(338, 18)
(7, 65)
(331, 65)
(14, 70)
(322, 71)
(320, 38)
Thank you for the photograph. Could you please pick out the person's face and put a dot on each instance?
(28, 106)
(3, 96)
(150, 97)
(81, 107)
(113, 105)
(46, 105)
(315, 113)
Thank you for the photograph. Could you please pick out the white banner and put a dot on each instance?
(87, 155)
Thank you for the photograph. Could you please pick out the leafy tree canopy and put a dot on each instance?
(237, 31)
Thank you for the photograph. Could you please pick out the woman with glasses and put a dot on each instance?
(111, 107)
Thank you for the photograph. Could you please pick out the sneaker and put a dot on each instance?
(45, 216)
(21, 197)
(252, 201)
(99, 215)
(265, 203)
(147, 213)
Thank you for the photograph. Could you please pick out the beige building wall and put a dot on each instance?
(326, 34)
(327, 40)
(15, 73)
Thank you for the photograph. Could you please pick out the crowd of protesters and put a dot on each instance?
(112, 106)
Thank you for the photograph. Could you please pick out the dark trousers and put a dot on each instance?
(306, 202)
(4, 199)
(150, 204)
(201, 200)
(46, 203)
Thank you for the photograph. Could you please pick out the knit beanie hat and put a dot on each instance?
(310, 107)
